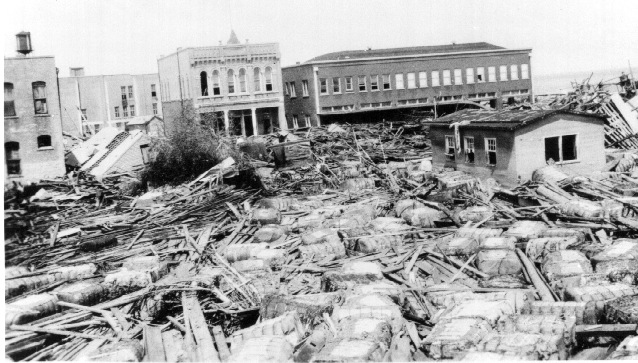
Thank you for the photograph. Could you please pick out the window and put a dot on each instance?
(9, 103)
(423, 79)
(503, 72)
(125, 110)
(304, 88)
(269, 86)
(293, 90)
(480, 75)
(374, 83)
(132, 109)
(307, 120)
(231, 81)
(411, 81)
(242, 80)
(362, 84)
(449, 147)
(469, 150)
(203, 83)
(458, 77)
(469, 75)
(349, 84)
(524, 71)
(386, 81)
(561, 148)
(123, 88)
(153, 92)
(40, 97)
(323, 86)
(130, 92)
(295, 121)
(398, 81)
(446, 78)
(12, 155)
(96, 127)
(256, 80)
(336, 85)
(490, 151)
(117, 112)
(83, 111)
(155, 108)
(44, 141)
(514, 72)
(216, 87)
(435, 79)
(491, 74)
(144, 150)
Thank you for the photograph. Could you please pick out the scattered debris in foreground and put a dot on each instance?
(354, 250)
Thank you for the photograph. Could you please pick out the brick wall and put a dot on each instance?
(36, 163)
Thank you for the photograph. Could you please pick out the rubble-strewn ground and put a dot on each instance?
(353, 250)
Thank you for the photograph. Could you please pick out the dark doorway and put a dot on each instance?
(248, 125)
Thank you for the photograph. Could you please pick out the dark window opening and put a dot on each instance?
(552, 150)
(490, 151)
(144, 149)
(216, 88)
(569, 148)
(203, 81)
(40, 98)
(269, 86)
(12, 154)
(153, 92)
(9, 103)
(44, 141)
(449, 148)
(561, 148)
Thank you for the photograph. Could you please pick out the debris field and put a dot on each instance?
(353, 250)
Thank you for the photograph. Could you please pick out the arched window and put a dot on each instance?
(216, 87)
(242, 80)
(40, 97)
(44, 141)
(9, 103)
(269, 79)
(257, 79)
(231, 81)
(12, 154)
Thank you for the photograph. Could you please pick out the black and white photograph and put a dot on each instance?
(235, 181)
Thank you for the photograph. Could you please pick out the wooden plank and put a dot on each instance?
(222, 345)
(606, 329)
(539, 284)
(204, 345)
(173, 345)
(153, 344)
(54, 233)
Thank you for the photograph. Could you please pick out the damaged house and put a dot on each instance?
(509, 145)
(111, 152)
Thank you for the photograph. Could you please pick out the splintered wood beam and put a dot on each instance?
(606, 329)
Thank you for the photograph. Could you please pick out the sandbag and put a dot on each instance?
(270, 233)
(621, 255)
(265, 216)
(478, 234)
(498, 243)
(458, 246)
(322, 250)
(448, 338)
(538, 248)
(525, 230)
(566, 263)
(499, 262)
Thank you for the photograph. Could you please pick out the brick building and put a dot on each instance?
(235, 88)
(90, 103)
(509, 145)
(374, 84)
(33, 143)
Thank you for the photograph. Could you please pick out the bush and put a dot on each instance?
(189, 151)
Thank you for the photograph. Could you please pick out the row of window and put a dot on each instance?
(12, 153)
(39, 90)
(295, 122)
(409, 80)
(236, 83)
(557, 148)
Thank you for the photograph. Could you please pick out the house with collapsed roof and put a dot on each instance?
(111, 151)
(509, 145)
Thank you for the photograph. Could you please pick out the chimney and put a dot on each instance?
(23, 40)
(76, 71)
(298, 62)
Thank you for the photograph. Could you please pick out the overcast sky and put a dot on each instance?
(116, 36)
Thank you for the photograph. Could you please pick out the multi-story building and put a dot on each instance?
(33, 142)
(375, 84)
(90, 103)
(235, 88)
